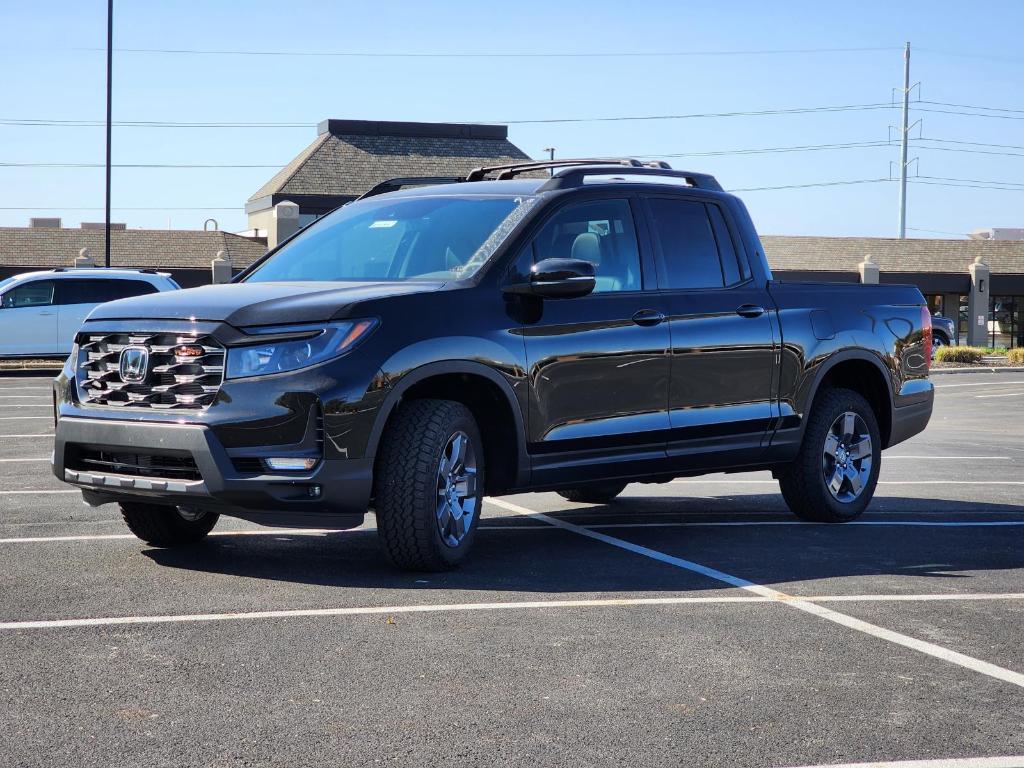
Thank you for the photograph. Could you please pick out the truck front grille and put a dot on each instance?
(182, 372)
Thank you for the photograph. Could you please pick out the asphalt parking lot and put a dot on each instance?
(689, 624)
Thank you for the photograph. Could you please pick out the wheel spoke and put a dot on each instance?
(465, 486)
(458, 455)
(862, 448)
(849, 424)
(837, 480)
(855, 482)
(444, 518)
(459, 524)
(831, 443)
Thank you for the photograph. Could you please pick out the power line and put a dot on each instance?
(974, 181)
(814, 184)
(967, 114)
(36, 122)
(969, 106)
(490, 55)
(118, 208)
(937, 231)
(136, 165)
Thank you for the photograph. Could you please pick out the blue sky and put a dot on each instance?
(963, 53)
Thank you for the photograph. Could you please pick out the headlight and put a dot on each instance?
(314, 344)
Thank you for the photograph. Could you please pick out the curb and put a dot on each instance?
(1000, 369)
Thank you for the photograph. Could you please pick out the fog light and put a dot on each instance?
(314, 491)
(291, 464)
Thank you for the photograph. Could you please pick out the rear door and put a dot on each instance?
(723, 351)
(28, 319)
(598, 364)
(77, 297)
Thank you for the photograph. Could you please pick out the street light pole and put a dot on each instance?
(110, 65)
(904, 140)
(551, 157)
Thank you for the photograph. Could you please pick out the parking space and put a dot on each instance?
(689, 623)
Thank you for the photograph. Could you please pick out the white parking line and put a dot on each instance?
(24, 397)
(921, 646)
(978, 384)
(459, 607)
(9, 461)
(34, 493)
(1004, 394)
(541, 528)
(770, 480)
(41, 434)
(887, 457)
(22, 418)
(956, 762)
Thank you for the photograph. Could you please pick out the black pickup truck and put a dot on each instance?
(420, 348)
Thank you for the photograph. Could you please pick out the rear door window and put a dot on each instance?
(96, 291)
(687, 243)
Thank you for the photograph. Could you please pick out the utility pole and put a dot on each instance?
(904, 140)
(551, 157)
(110, 65)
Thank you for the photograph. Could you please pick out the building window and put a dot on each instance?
(1004, 321)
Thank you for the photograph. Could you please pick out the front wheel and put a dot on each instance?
(429, 485)
(835, 473)
(167, 526)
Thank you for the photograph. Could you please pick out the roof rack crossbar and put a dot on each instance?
(575, 176)
(393, 185)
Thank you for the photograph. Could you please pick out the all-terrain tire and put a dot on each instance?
(803, 483)
(598, 493)
(406, 484)
(165, 526)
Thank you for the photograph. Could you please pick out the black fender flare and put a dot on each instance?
(469, 367)
(841, 357)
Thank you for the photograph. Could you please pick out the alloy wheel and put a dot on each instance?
(456, 489)
(846, 457)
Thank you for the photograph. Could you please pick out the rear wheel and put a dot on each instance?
(167, 526)
(835, 473)
(428, 485)
(598, 493)
(938, 342)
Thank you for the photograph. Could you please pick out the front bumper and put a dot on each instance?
(335, 494)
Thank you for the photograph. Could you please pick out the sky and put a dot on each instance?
(460, 61)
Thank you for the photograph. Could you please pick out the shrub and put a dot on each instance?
(1015, 356)
(958, 355)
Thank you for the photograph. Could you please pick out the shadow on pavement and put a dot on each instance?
(555, 561)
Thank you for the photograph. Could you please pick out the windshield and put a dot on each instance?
(416, 238)
(5, 282)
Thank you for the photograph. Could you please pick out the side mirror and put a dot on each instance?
(558, 279)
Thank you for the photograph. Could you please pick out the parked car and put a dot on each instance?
(415, 350)
(40, 312)
(943, 331)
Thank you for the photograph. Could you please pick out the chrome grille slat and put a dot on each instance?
(172, 381)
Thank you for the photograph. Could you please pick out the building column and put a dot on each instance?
(83, 260)
(284, 223)
(220, 268)
(978, 304)
(869, 271)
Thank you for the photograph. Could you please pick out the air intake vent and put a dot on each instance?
(163, 370)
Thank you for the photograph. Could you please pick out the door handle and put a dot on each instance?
(749, 310)
(648, 317)
(47, 314)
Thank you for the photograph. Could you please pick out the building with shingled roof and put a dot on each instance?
(348, 157)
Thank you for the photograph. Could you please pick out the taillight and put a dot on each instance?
(926, 335)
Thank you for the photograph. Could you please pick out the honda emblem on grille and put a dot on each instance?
(134, 364)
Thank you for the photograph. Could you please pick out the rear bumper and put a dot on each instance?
(335, 493)
(908, 420)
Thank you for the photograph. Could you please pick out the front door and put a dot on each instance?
(28, 320)
(723, 350)
(598, 364)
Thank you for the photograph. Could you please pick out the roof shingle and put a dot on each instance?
(144, 248)
(843, 254)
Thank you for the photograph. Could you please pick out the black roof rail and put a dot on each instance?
(574, 171)
(512, 170)
(393, 185)
(575, 177)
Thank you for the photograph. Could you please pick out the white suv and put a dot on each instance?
(40, 312)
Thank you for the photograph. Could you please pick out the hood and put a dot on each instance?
(244, 304)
